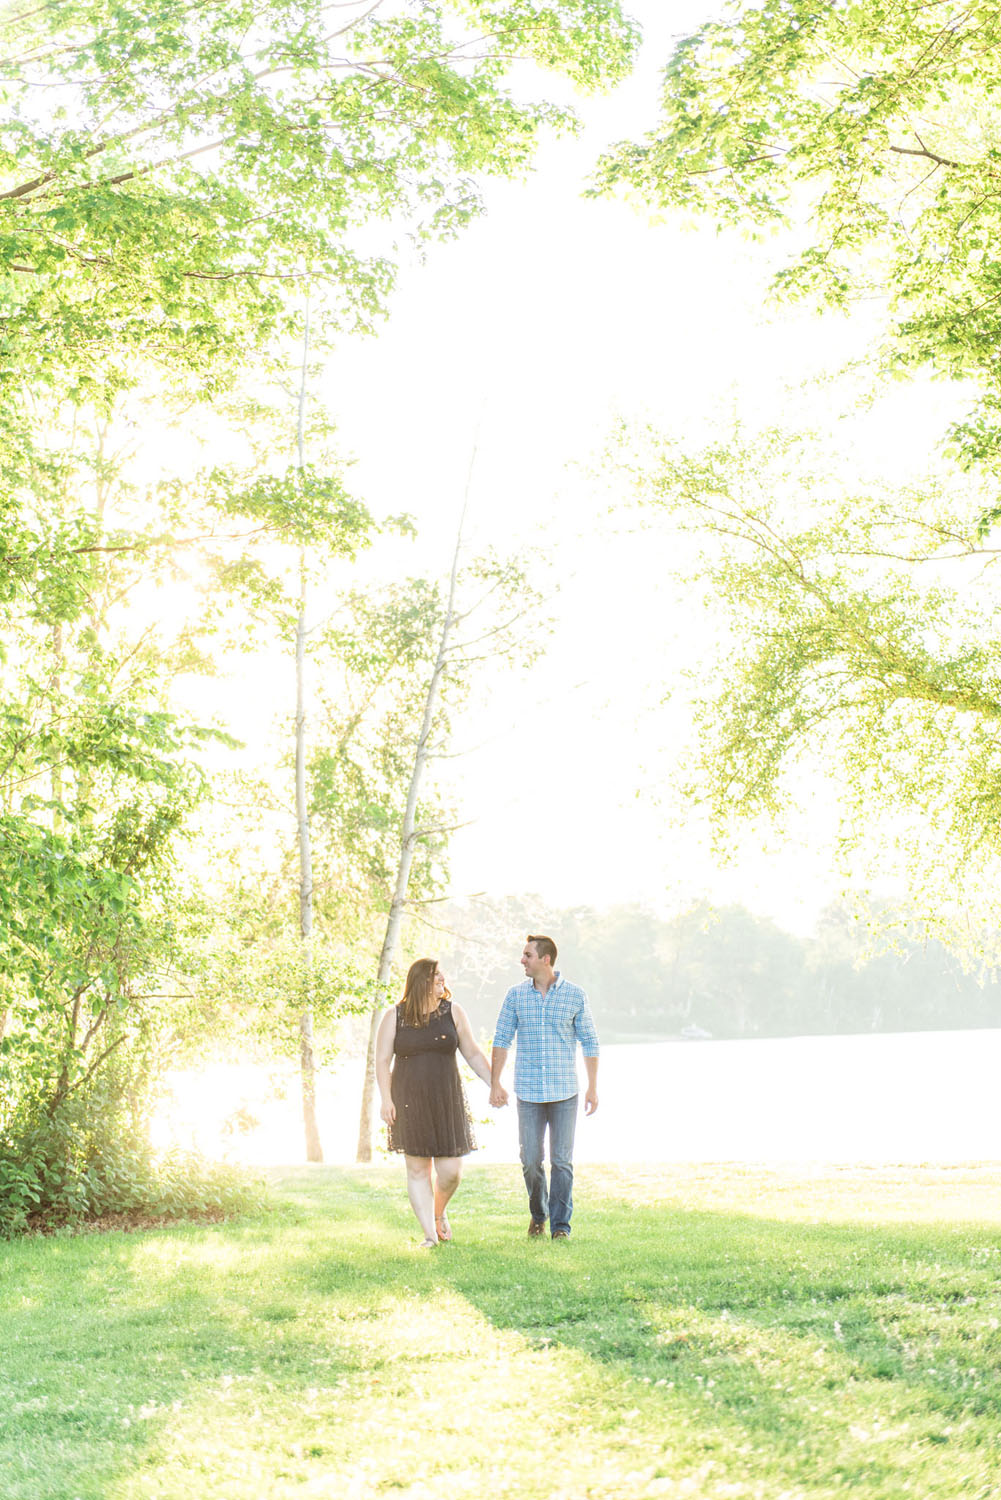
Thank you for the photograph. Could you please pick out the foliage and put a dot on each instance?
(82, 922)
(862, 619)
(371, 663)
(171, 174)
(710, 1330)
(90, 1159)
(86, 938)
(99, 779)
(876, 125)
(247, 977)
(861, 642)
(368, 663)
(380, 651)
(381, 646)
(173, 181)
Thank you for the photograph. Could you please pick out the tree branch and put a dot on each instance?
(941, 161)
(61, 1097)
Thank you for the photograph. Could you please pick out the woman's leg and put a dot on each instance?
(420, 1194)
(447, 1175)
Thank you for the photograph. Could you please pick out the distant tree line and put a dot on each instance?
(728, 972)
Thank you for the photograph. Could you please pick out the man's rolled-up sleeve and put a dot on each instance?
(585, 1028)
(507, 1022)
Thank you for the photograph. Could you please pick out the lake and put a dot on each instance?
(902, 1097)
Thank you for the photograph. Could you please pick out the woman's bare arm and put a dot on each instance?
(384, 1039)
(468, 1045)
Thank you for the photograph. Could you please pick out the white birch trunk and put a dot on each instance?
(307, 1065)
(408, 843)
(56, 773)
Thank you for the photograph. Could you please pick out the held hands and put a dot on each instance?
(590, 1101)
(388, 1112)
(498, 1096)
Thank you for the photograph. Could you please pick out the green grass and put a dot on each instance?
(708, 1332)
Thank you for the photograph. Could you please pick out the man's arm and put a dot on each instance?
(507, 1025)
(498, 1057)
(588, 1037)
(591, 1097)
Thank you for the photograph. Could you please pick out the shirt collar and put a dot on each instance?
(557, 981)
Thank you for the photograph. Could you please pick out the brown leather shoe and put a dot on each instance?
(562, 1234)
(535, 1228)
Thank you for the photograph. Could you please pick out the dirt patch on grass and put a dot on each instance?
(122, 1223)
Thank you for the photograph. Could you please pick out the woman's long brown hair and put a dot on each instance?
(418, 992)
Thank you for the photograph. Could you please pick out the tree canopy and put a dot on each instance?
(859, 614)
(875, 130)
(861, 642)
(169, 171)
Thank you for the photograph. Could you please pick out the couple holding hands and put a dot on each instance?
(424, 1104)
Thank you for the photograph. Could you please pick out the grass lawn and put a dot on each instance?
(708, 1332)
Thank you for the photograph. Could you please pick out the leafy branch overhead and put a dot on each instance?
(879, 126)
(168, 173)
(860, 629)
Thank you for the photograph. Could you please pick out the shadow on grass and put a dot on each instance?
(746, 1333)
(105, 1334)
(792, 1336)
(806, 1340)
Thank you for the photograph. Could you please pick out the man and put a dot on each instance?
(550, 1016)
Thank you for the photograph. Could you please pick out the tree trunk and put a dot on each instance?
(56, 772)
(307, 1065)
(410, 836)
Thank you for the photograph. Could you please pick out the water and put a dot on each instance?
(906, 1097)
(910, 1097)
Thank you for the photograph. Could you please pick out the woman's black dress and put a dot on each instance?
(432, 1116)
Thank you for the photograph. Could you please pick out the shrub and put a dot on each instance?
(89, 1159)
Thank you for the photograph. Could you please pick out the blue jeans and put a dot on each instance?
(554, 1203)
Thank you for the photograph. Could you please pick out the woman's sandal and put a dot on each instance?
(443, 1227)
(427, 1244)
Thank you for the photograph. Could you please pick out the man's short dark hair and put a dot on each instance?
(544, 947)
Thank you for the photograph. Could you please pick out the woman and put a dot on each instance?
(423, 1101)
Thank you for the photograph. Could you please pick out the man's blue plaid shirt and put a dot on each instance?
(549, 1027)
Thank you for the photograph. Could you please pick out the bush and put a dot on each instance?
(89, 1160)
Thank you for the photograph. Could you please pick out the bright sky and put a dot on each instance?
(528, 337)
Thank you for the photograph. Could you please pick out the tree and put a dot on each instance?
(491, 591)
(314, 1149)
(410, 838)
(865, 968)
(863, 642)
(97, 779)
(201, 166)
(171, 180)
(100, 776)
(369, 663)
(374, 658)
(320, 524)
(86, 938)
(874, 131)
(878, 126)
(172, 173)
